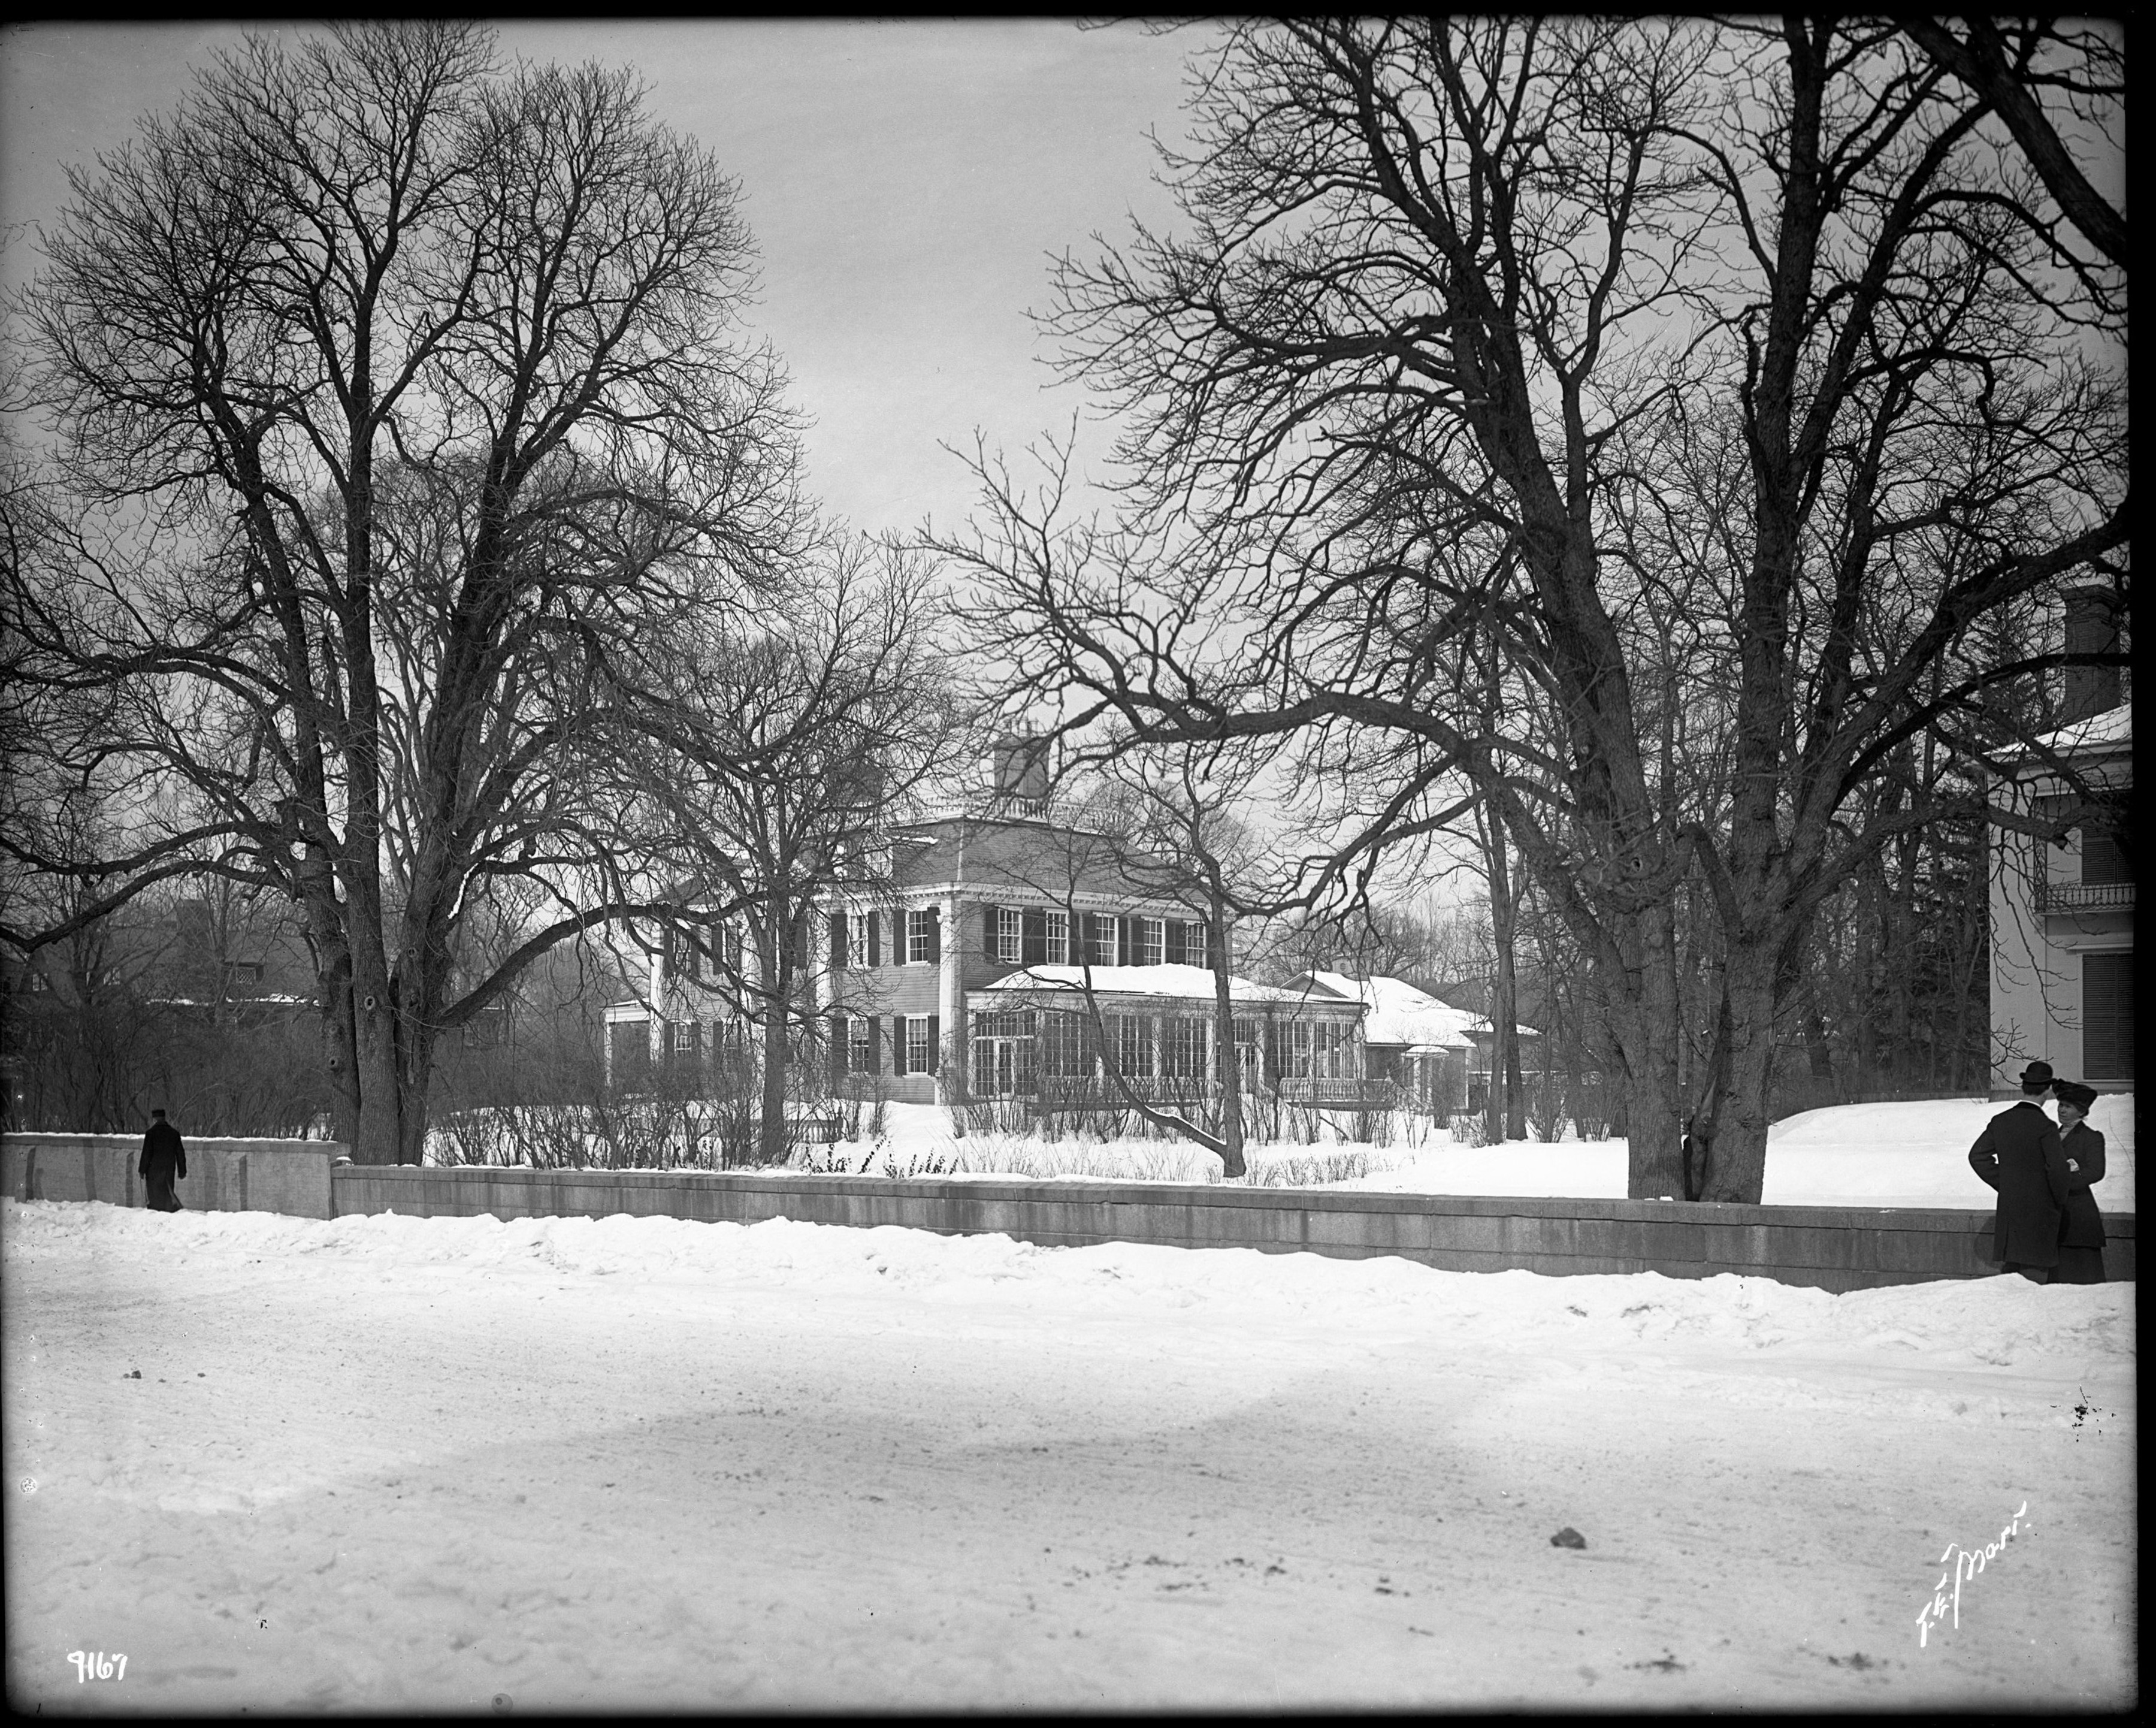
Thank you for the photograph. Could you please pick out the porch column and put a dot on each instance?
(951, 1008)
(656, 1025)
(823, 974)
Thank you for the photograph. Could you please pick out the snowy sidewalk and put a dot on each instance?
(394, 1464)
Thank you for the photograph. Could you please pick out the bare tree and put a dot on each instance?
(401, 410)
(795, 733)
(1464, 310)
(1175, 833)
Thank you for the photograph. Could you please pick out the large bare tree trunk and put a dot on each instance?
(1643, 1025)
(1731, 1161)
(1505, 1108)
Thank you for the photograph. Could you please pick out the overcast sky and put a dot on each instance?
(905, 182)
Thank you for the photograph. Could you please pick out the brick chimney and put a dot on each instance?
(1021, 769)
(2092, 628)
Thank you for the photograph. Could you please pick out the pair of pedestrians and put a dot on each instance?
(2048, 1228)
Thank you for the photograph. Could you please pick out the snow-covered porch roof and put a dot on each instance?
(1130, 987)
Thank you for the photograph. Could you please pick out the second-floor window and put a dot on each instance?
(1099, 940)
(1153, 942)
(1010, 936)
(1058, 938)
(919, 937)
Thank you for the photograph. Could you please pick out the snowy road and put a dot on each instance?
(394, 1464)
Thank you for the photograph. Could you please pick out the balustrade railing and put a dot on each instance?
(2085, 897)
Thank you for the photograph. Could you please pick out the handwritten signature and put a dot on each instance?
(1962, 1564)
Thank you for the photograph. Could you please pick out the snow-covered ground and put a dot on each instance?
(1893, 1154)
(394, 1463)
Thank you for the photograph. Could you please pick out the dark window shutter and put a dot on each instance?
(838, 940)
(1172, 950)
(989, 933)
(2108, 1015)
(837, 1048)
(875, 1042)
(1035, 949)
(935, 936)
(875, 939)
(934, 1043)
(898, 1043)
(2104, 855)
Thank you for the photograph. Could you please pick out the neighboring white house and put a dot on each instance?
(2062, 921)
(2062, 917)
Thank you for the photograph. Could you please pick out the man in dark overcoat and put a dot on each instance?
(163, 1162)
(2020, 1154)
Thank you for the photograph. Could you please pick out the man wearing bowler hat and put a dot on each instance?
(164, 1161)
(2020, 1154)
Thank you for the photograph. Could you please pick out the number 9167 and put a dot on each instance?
(96, 1665)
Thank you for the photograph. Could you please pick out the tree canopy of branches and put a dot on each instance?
(400, 412)
(799, 728)
(1722, 377)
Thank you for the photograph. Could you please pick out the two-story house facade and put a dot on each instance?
(1013, 951)
(1003, 949)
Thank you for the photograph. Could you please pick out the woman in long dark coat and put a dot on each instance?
(2080, 1236)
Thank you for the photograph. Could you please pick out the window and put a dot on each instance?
(920, 1053)
(1056, 938)
(858, 957)
(1002, 1054)
(1133, 1045)
(1153, 942)
(2108, 1015)
(2107, 855)
(628, 1050)
(920, 944)
(1321, 1050)
(1066, 1046)
(1099, 940)
(860, 1045)
(1189, 1036)
(1194, 944)
(1009, 948)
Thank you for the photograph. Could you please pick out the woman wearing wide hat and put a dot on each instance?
(2080, 1236)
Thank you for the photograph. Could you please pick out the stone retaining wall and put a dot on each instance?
(224, 1175)
(1830, 1247)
